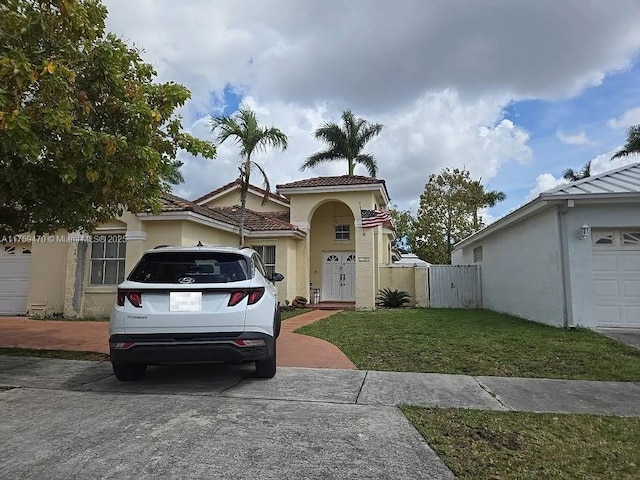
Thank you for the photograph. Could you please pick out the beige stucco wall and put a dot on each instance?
(254, 202)
(47, 277)
(408, 278)
(192, 233)
(286, 251)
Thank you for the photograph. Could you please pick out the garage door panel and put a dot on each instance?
(616, 280)
(14, 280)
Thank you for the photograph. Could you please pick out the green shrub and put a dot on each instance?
(392, 298)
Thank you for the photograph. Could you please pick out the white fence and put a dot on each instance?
(454, 286)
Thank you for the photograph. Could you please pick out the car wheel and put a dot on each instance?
(267, 368)
(129, 372)
(277, 323)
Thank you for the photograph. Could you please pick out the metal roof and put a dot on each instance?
(623, 180)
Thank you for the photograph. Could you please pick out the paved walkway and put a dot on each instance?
(294, 350)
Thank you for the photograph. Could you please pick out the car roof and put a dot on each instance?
(245, 251)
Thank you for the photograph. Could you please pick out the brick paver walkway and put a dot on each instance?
(294, 350)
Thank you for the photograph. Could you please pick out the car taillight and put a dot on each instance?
(237, 296)
(134, 297)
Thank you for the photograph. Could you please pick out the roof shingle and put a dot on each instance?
(235, 184)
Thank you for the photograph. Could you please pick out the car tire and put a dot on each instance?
(129, 372)
(267, 368)
(277, 323)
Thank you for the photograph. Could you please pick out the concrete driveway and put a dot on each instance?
(630, 336)
(72, 419)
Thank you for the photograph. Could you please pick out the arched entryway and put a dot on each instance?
(332, 252)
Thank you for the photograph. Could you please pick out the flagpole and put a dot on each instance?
(361, 226)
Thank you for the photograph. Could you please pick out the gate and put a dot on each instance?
(454, 286)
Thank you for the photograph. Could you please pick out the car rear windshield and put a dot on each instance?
(191, 267)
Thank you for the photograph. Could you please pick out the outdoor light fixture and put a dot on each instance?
(584, 232)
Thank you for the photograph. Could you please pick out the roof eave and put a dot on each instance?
(338, 188)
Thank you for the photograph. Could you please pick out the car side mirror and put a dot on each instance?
(277, 277)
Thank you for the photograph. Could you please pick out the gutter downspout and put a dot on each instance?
(567, 306)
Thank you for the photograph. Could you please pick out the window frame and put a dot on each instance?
(345, 228)
(268, 267)
(478, 254)
(120, 259)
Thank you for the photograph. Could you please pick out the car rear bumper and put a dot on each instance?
(189, 348)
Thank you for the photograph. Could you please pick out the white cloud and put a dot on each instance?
(627, 119)
(579, 138)
(544, 182)
(603, 162)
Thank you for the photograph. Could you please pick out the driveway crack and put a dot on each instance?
(226, 389)
(361, 386)
(494, 395)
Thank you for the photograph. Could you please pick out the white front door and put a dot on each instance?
(338, 276)
(616, 277)
(15, 262)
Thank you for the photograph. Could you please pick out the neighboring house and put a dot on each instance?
(310, 231)
(571, 257)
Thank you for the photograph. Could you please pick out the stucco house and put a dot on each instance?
(570, 257)
(311, 231)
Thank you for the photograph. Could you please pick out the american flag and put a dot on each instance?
(372, 218)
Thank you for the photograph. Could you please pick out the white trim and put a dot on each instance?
(339, 188)
(274, 233)
(192, 216)
(135, 235)
(302, 225)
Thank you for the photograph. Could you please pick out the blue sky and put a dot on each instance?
(495, 86)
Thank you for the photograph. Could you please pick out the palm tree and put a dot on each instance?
(481, 198)
(632, 147)
(252, 138)
(346, 142)
(572, 175)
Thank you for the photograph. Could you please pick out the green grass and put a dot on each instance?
(61, 354)
(474, 342)
(480, 444)
(294, 313)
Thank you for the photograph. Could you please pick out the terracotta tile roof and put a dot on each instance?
(173, 203)
(331, 181)
(235, 184)
(253, 222)
(257, 221)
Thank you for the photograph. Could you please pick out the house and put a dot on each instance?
(570, 257)
(311, 231)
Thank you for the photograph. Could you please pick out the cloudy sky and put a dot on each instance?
(515, 91)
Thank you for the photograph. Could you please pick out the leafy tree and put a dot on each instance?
(84, 131)
(448, 213)
(405, 228)
(572, 176)
(346, 142)
(632, 146)
(252, 138)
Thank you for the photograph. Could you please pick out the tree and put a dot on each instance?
(252, 138)
(448, 213)
(84, 131)
(632, 146)
(572, 176)
(346, 142)
(404, 225)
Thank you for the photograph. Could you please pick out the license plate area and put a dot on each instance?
(185, 301)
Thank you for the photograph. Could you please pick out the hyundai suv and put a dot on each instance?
(194, 305)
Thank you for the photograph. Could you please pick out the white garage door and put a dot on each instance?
(616, 276)
(15, 260)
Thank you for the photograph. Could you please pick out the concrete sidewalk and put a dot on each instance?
(72, 419)
(356, 387)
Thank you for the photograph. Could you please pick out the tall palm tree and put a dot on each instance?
(571, 175)
(633, 143)
(346, 142)
(481, 198)
(252, 138)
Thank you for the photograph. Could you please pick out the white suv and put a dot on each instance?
(193, 305)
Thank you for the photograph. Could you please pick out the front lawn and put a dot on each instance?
(474, 342)
(481, 444)
(286, 314)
